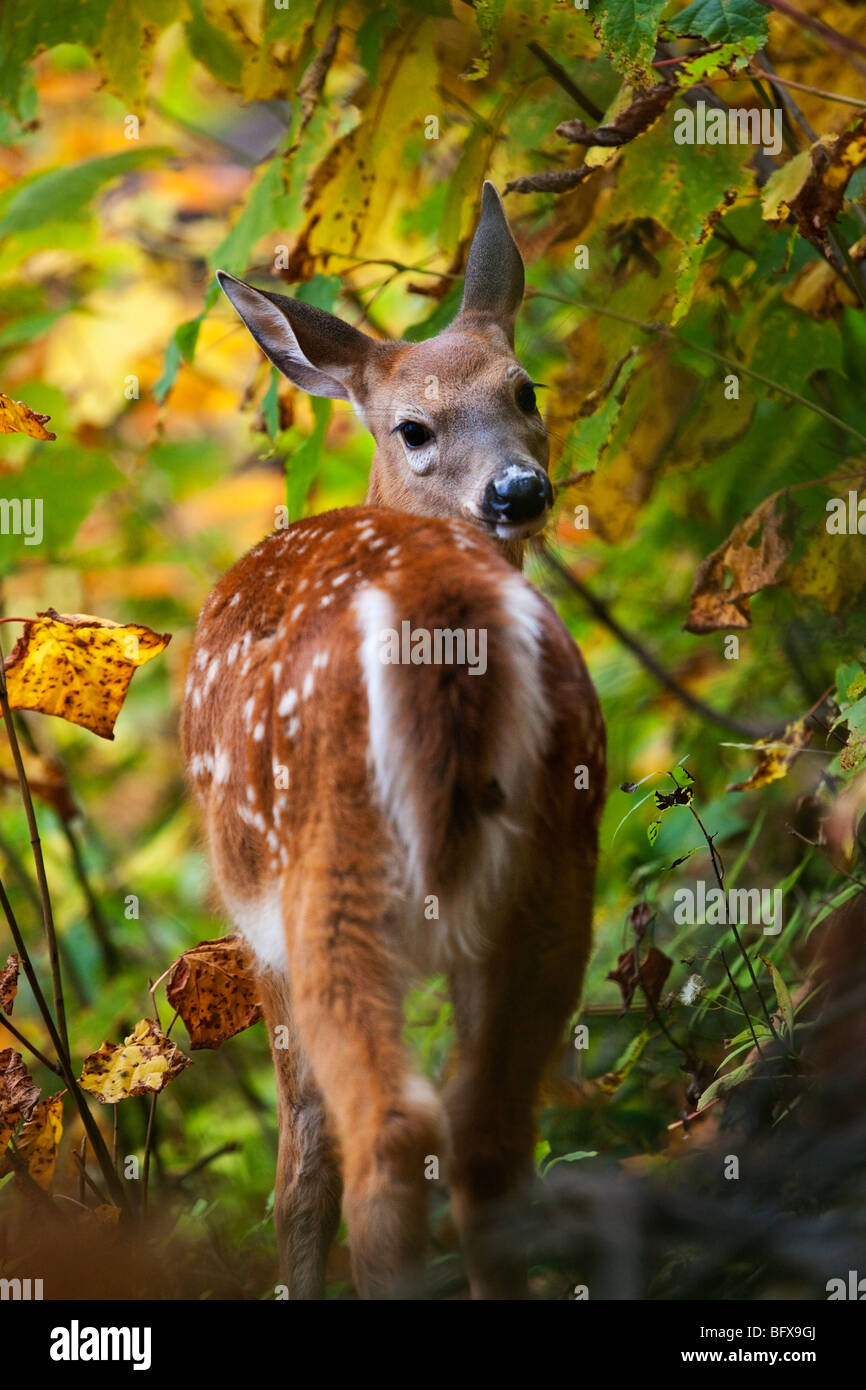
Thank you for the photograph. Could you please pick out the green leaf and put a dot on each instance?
(725, 1083)
(255, 221)
(170, 369)
(487, 16)
(627, 31)
(61, 194)
(270, 405)
(66, 483)
(369, 40)
(723, 21)
(25, 29)
(303, 466)
(212, 47)
(685, 188)
(321, 291)
(540, 1153)
(783, 997)
(571, 1158)
(652, 831)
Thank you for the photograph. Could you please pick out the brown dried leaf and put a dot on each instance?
(717, 603)
(19, 1093)
(9, 984)
(819, 200)
(635, 118)
(654, 970)
(313, 80)
(145, 1063)
(215, 991)
(775, 757)
(18, 418)
(549, 181)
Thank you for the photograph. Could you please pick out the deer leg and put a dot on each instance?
(347, 994)
(307, 1186)
(510, 1014)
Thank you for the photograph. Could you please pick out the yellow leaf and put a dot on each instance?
(78, 667)
(145, 1063)
(775, 756)
(783, 185)
(350, 196)
(37, 1143)
(831, 570)
(18, 418)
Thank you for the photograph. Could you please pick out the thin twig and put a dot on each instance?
(841, 43)
(645, 657)
(667, 334)
(719, 871)
(39, 863)
(91, 1128)
(231, 1147)
(804, 87)
(567, 84)
(7, 1023)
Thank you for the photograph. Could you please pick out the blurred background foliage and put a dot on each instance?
(338, 150)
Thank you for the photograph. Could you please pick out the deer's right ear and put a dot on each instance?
(494, 269)
(314, 349)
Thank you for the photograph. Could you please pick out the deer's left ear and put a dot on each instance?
(494, 270)
(314, 349)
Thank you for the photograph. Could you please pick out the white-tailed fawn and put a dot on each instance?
(400, 761)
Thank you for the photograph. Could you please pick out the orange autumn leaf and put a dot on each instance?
(78, 667)
(214, 991)
(18, 418)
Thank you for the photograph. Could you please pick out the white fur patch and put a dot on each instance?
(260, 922)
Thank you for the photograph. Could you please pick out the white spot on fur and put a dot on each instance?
(329, 598)
(288, 702)
(340, 579)
(222, 766)
(296, 612)
(309, 681)
(258, 732)
(260, 922)
(293, 726)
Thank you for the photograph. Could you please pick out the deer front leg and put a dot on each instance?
(307, 1186)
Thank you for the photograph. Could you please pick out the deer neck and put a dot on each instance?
(513, 551)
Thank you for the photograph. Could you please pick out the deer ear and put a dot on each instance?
(494, 270)
(317, 351)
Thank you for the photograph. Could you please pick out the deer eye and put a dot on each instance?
(525, 397)
(415, 434)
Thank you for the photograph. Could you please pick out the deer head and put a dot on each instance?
(455, 420)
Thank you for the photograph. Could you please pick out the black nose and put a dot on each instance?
(518, 493)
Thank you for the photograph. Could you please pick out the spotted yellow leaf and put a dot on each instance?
(145, 1063)
(37, 1142)
(78, 667)
(775, 756)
